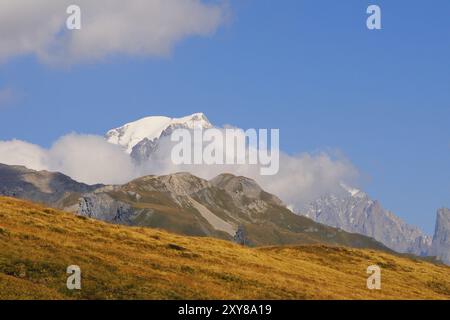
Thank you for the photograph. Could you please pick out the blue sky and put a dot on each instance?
(310, 68)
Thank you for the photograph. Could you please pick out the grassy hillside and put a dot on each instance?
(37, 244)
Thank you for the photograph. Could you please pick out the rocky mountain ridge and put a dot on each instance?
(227, 207)
(354, 211)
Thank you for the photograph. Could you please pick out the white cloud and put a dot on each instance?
(85, 158)
(306, 177)
(109, 27)
(91, 159)
(16, 152)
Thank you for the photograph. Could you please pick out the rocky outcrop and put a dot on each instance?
(241, 237)
(441, 239)
(101, 206)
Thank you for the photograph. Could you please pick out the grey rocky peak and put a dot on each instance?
(441, 239)
(354, 211)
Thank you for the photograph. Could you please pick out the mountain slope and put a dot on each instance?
(52, 188)
(227, 207)
(354, 211)
(37, 244)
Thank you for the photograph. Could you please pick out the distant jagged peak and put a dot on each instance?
(354, 211)
(444, 212)
(150, 128)
(443, 223)
(441, 239)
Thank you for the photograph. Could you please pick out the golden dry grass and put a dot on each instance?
(37, 244)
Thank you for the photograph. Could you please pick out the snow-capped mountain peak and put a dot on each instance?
(130, 134)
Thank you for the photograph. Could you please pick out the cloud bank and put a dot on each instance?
(91, 159)
(85, 158)
(109, 27)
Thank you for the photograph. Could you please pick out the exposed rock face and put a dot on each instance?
(441, 239)
(103, 207)
(240, 237)
(144, 150)
(354, 211)
(51, 188)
